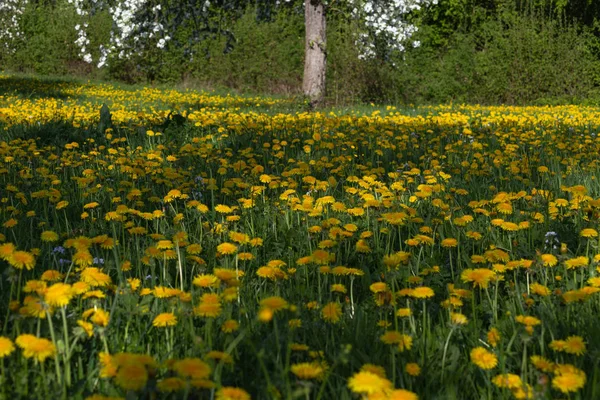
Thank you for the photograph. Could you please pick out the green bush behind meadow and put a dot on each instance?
(508, 57)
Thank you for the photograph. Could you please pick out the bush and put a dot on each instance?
(501, 57)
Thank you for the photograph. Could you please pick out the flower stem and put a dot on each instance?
(53, 336)
(445, 352)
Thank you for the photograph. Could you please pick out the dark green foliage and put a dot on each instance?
(475, 51)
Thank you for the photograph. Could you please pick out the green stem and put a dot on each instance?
(445, 352)
(66, 352)
(53, 336)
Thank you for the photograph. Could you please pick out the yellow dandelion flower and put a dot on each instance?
(588, 233)
(375, 369)
(391, 337)
(576, 262)
(226, 248)
(193, 368)
(206, 281)
(449, 242)
(458, 319)
(164, 320)
(483, 359)
(413, 369)
(274, 303)
(132, 377)
(51, 275)
(6, 347)
(232, 393)
(368, 383)
(21, 259)
(6, 250)
(493, 337)
(405, 343)
(169, 385)
(49, 236)
(542, 363)
(422, 292)
(331, 312)
(307, 371)
(378, 287)
(574, 345)
(230, 326)
(208, 310)
(59, 295)
(34, 347)
(480, 277)
(569, 381)
(549, 260)
(94, 277)
(509, 381)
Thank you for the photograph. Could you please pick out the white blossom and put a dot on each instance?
(382, 23)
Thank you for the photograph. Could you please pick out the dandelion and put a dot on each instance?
(483, 358)
(274, 303)
(11, 223)
(95, 277)
(6, 250)
(509, 381)
(58, 295)
(549, 260)
(132, 377)
(540, 290)
(331, 312)
(574, 345)
(403, 312)
(375, 369)
(164, 320)
(226, 248)
(413, 369)
(307, 371)
(368, 383)
(588, 233)
(458, 319)
(528, 320)
(208, 310)
(83, 258)
(577, 262)
(379, 287)
(206, 281)
(49, 236)
(193, 368)
(6, 347)
(223, 209)
(405, 343)
(338, 288)
(100, 317)
(34, 347)
(422, 292)
(232, 393)
(569, 381)
(493, 337)
(172, 384)
(542, 363)
(449, 242)
(87, 327)
(391, 337)
(321, 257)
(21, 259)
(480, 277)
(51, 275)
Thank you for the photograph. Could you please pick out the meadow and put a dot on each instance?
(190, 245)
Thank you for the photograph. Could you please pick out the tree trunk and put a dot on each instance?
(315, 55)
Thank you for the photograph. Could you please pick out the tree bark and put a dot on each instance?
(315, 55)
